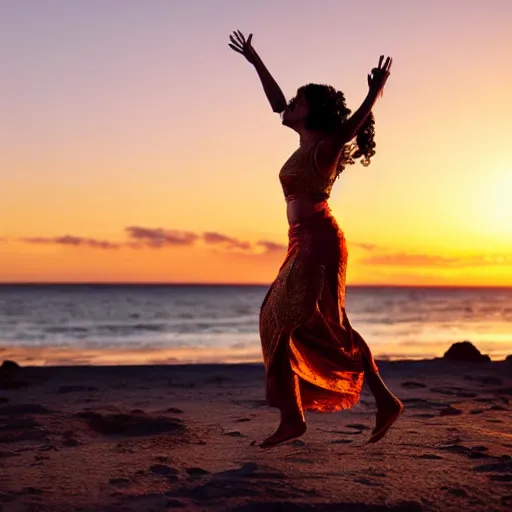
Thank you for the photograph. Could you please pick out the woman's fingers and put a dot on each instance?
(233, 47)
(236, 43)
(383, 67)
(240, 36)
(249, 39)
(237, 38)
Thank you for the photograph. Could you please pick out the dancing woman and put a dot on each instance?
(314, 359)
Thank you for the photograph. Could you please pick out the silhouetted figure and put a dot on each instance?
(314, 359)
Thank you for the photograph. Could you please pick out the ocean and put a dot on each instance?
(132, 324)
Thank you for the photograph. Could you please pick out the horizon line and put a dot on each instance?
(225, 285)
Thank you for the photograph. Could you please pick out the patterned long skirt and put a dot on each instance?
(303, 322)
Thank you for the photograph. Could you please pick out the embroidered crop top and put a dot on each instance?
(300, 177)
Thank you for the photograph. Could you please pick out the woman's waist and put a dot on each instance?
(317, 236)
(300, 208)
(319, 223)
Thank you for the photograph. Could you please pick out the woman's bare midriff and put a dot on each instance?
(300, 208)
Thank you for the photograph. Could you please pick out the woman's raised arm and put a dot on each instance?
(329, 149)
(273, 92)
(376, 81)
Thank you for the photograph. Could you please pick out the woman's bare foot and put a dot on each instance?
(387, 413)
(285, 432)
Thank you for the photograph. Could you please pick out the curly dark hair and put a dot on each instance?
(328, 111)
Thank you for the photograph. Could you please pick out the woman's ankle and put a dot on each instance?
(291, 418)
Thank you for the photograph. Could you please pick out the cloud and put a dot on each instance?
(364, 246)
(404, 259)
(76, 241)
(212, 238)
(142, 237)
(159, 237)
(272, 246)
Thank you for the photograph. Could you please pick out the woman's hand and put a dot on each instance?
(379, 75)
(240, 45)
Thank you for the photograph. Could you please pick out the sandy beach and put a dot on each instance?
(183, 438)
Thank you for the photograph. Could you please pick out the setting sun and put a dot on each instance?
(497, 203)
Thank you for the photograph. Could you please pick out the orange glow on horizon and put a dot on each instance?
(143, 131)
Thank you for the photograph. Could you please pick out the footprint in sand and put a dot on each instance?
(424, 416)
(232, 433)
(485, 400)
(171, 474)
(162, 458)
(298, 460)
(357, 426)
(120, 482)
(454, 391)
(253, 404)
(455, 491)
(247, 481)
(162, 469)
(69, 439)
(485, 379)
(131, 424)
(450, 411)
(367, 481)
(413, 385)
(196, 472)
(474, 452)
(503, 466)
(249, 470)
(421, 403)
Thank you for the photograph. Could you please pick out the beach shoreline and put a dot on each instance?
(61, 356)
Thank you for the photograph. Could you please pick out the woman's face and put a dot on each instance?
(297, 111)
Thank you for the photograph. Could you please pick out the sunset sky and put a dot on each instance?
(136, 146)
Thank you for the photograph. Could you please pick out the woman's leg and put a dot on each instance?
(286, 396)
(389, 407)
